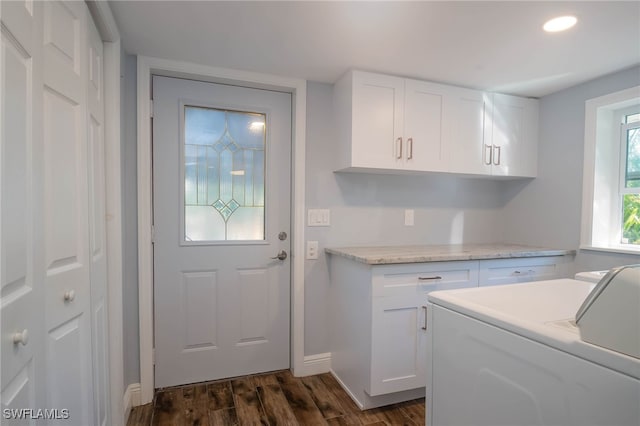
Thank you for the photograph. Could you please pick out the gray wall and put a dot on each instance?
(369, 209)
(547, 210)
(131, 340)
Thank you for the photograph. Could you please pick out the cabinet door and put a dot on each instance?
(470, 139)
(512, 271)
(377, 138)
(515, 136)
(396, 344)
(399, 323)
(423, 126)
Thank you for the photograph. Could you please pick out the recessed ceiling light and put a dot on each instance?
(560, 23)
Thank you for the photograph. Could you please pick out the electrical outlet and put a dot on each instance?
(408, 217)
(312, 250)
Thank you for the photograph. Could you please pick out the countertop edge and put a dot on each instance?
(448, 257)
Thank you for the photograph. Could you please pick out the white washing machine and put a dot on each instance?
(513, 355)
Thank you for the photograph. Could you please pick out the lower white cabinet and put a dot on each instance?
(379, 320)
(378, 329)
(399, 321)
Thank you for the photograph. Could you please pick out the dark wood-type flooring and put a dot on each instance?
(269, 399)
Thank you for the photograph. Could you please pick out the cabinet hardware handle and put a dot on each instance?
(516, 272)
(437, 277)
(498, 149)
(410, 148)
(399, 150)
(484, 154)
(424, 327)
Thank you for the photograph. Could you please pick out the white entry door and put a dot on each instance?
(221, 190)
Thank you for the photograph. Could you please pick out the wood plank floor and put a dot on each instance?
(269, 399)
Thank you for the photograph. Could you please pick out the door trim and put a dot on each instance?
(298, 88)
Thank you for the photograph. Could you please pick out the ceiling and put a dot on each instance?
(497, 46)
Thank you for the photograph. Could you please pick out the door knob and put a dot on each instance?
(21, 337)
(69, 295)
(281, 256)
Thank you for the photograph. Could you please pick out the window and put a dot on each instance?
(611, 185)
(629, 189)
(224, 154)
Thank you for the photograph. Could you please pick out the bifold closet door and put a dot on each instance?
(22, 373)
(54, 313)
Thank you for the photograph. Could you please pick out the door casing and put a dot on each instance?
(147, 67)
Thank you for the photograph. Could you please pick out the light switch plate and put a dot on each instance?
(312, 250)
(319, 217)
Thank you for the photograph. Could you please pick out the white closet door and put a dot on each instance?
(52, 232)
(97, 241)
(66, 226)
(22, 291)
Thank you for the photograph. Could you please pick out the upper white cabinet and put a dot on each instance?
(424, 128)
(470, 141)
(387, 122)
(391, 123)
(514, 141)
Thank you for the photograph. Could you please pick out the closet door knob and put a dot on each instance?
(21, 337)
(69, 295)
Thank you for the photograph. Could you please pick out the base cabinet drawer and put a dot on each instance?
(421, 278)
(521, 270)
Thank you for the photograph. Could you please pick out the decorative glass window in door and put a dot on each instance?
(224, 157)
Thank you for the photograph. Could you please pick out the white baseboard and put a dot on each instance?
(132, 398)
(316, 364)
(347, 390)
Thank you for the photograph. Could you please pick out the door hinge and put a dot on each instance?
(153, 356)
(153, 234)
(150, 108)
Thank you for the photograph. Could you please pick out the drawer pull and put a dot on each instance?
(437, 277)
(530, 271)
(424, 327)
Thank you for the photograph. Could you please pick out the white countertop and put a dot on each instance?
(541, 311)
(382, 255)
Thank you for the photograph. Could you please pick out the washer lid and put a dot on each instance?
(610, 316)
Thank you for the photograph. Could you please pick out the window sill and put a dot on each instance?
(620, 250)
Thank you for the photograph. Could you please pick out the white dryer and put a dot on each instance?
(513, 355)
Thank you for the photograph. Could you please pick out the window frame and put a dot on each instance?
(603, 171)
(622, 170)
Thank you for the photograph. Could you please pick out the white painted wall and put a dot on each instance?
(547, 210)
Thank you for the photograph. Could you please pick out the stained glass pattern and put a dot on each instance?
(223, 174)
